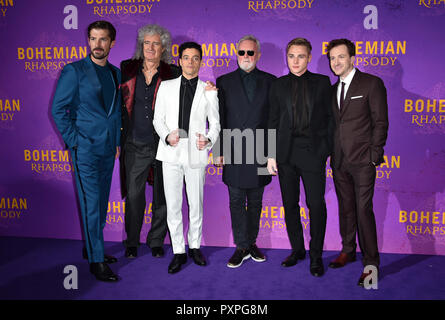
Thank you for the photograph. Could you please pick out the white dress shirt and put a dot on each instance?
(347, 82)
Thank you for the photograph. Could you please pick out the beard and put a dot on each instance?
(246, 66)
(99, 54)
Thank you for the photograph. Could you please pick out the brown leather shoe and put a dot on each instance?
(341, 261)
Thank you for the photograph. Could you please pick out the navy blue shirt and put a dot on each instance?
(105, 76)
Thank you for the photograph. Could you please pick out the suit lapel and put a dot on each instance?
(352, 88)
(334, 98)
(176, 104)
(310, 94)
(115, 85)
(289, 98)
(197, 97)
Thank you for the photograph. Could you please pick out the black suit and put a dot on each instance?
(238, 112)
(303, 156)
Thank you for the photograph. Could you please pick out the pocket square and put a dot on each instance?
(356, 97)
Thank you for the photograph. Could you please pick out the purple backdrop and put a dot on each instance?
(405, 48)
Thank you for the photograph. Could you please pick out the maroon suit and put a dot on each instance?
(360, 135)
(135, 163)
(129, 69)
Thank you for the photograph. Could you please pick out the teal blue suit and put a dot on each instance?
(91, 131)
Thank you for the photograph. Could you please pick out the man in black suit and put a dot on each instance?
(360, 110)
(300, 111)
(244, 107)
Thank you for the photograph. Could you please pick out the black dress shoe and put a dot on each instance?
(157, 252)
(177, 262)
(131, 252)
(107, 257)
(197, 257)
(293, 258)
(316, 267)
(103, 272)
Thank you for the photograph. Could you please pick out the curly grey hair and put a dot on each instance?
(166, 41)
(251, 38)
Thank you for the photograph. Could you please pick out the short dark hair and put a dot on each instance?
(299, 42)
(190, 45)
(105, 25)
(338, 42)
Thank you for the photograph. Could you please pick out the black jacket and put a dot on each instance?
(321, 125)
(236, 112)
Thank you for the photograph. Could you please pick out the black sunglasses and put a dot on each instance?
(250, 53)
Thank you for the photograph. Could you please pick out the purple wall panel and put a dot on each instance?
(406, 50)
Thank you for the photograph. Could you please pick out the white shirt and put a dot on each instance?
(347, 82)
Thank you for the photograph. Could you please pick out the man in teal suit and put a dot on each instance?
(86, 110)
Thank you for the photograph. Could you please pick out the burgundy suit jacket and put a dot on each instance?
(129, 70)
(361, 127)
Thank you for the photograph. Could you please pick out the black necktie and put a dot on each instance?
(342, 95)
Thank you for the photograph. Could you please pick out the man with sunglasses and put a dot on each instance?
(244, 107)
(300, 111)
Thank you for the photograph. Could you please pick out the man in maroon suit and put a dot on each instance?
(141, 78)
(361, 116)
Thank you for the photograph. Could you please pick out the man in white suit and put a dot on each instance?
(182, 110)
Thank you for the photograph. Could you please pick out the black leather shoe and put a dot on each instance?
(157, 252)
(316, 267)
(107, 257)
(177, 262)
(238, 257)
(256, 254)
(197, 257)
(293, 258)
(103, 272)
(131, 252)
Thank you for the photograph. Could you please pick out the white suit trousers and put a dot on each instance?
(173, 185)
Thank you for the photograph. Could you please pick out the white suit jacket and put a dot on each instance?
(166, 116)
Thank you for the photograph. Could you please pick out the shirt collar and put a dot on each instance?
(349, 77)
(192, 81)
(245, 74)
(99, 66)
(302, 77)
(142, 68)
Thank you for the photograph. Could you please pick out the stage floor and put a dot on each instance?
(32, 268)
